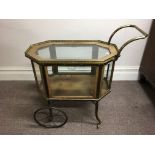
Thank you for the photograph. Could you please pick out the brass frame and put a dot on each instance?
(144, 35)
(97, 65)
(31, 52)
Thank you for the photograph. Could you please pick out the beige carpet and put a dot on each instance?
(128, 109)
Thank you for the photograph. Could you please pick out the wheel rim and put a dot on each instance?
(50, 117)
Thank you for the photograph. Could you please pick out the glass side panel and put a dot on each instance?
(71, 82)
(37, 71)
(73, 52)
(107, 74)
(38, 77)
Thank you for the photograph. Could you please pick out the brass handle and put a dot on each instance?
(144, 35)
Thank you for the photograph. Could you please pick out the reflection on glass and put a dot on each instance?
(108, 73)
(72, 81)
(37, 71)
(38, 76)
(73, 52)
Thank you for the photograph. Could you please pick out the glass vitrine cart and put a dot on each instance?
(73, 70)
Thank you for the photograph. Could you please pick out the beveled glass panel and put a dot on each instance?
(37, 71)
(38, 77)
(107, 74)
(73, 52)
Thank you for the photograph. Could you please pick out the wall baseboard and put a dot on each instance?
(129, 73)
(25, 73)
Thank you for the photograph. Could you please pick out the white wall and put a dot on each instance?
(17, 35)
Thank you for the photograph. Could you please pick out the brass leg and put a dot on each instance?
(96, 114)
(50, 112)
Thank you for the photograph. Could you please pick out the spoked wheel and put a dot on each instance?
(50, 117)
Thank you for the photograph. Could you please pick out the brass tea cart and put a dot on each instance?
(73, 70)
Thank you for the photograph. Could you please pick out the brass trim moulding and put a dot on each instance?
(31, 52)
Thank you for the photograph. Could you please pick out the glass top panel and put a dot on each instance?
(73, 52)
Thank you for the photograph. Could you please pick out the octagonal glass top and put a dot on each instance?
(74, 51)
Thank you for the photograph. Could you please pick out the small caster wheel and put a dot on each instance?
(50, 117)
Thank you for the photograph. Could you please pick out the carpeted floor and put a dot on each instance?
(128, 109)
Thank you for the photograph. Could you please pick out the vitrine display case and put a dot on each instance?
(73, 70)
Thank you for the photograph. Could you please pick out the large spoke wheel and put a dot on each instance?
(50, 117)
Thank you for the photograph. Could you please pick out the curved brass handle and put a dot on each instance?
(131, 40)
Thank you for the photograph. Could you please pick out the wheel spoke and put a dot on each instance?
(59, 118)
(45, 120)
(41, 112)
